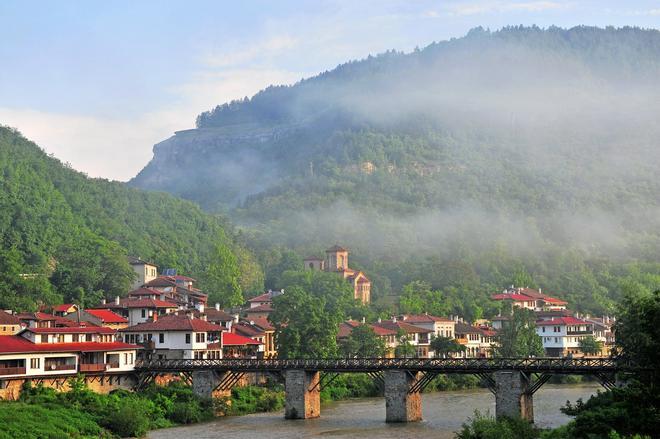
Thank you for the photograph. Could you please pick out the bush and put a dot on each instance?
(486, 427)
(186, 413)
(253, 399)
(129, 419)
(19, 420)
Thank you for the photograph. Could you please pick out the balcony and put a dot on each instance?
(98, 367)
(579, 333)
(12, 371)
(52, 367)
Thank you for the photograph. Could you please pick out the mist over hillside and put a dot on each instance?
(520, 150)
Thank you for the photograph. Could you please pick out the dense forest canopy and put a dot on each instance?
(521, 154)
(66, 237)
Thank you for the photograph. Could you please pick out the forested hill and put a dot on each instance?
(455, 164)
(64, 236)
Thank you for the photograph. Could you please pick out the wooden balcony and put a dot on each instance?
(93, 367)
(12, 371)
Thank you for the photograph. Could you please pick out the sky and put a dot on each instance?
(97, 84)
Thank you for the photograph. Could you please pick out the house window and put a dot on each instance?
(187, 338)
(60, 338)
(44, 338)
(200, 337)
(161, 338)
(75, 338)
(144, 313)
(88, 337)
(34, 363)
(543, 328)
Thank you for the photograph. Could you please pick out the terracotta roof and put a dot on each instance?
(62, 308)
(554, 300)
(161, 282)
(38, 316)
(407, 327)
(312, 258)
(175, 322)
(183, 278)
(106, 316)
(145, 292)
(562, 321)
(72, 330)
(262, 323)
(13, 344)
(266, 297)
(266, 307)
(231, 339)
(336, 248)
(424, 318)
(247, 330)
(218, 315)
(464, 328)
(511, 296)
(8, 319)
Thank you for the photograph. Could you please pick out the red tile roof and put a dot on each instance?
(161, 282)
(266, 297)
(261, 308)
(137, 303)
(511, 296)
(62, 308)
(262, 323)
(13, 344)
(247, 330)
(72, 330)
(554, 300)
(173, 322)
(38, 316)
(407, 327)
(145, 292)
(231, 339)
(106, 316)
(8, 319)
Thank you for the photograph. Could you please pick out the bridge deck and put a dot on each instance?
(440, 365)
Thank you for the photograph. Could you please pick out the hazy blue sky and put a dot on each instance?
(98, 83)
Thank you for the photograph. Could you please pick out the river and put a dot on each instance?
(443, 412)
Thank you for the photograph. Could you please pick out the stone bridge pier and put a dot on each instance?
(513, 395)
(302, 394)
(403, 403)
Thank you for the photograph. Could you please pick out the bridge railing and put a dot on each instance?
(465, 365)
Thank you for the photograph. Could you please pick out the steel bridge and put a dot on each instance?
(513, 381)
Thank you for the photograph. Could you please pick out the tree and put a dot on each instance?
(363, 342)
(418, 297)
(305, 327)
(518, 337)
(443, 346)
(590, 346)
(221, 279)
(404, 348)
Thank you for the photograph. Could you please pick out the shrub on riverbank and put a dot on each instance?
(120, 413)
(485, 427)
(253, 399)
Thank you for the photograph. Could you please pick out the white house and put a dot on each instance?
(175, 336)
(63, 351)
(561, 336)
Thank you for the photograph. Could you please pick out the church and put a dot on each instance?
(336, 261)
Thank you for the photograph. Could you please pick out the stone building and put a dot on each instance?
(336, 261)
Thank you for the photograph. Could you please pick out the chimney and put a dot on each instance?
(217, 307)
(116, 300)
(379, 320)
(203, 317)
(103, 301)
(404, 317)
(364, 320)
(154, 317)
(236, 318)
(200, 307)
(393, 319)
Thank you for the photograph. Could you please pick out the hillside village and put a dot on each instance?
(166, 317)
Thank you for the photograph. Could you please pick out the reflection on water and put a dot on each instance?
(444, 412)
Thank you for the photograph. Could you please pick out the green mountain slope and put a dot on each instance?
(66, 237)
(461, 164)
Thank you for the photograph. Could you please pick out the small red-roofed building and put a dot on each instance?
(101, 317)
(259, 312)
(531, 299)
(144, 271)
(561, 335)
(44, 351)
(138, 310)
(37, 319)
(62, 310)
(176, 337)
(9, 323)
(389, 336)
(260, 329)
(419, 337)
(238, 346)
